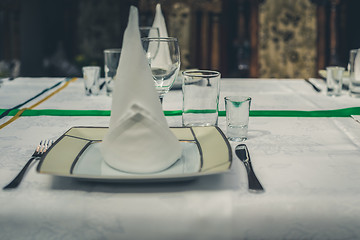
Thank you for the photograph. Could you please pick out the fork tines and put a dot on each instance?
(43, 147)
(39, 151)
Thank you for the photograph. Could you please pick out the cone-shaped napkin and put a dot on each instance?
(159, 21)
(139, 139)
(357, 66)
(163, 56)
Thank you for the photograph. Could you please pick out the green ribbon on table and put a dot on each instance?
(344, 112)
(6, 112)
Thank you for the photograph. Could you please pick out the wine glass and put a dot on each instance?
(163, 55)
(146, 32)
(150, 32)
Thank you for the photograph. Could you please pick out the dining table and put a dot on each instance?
(304, 148)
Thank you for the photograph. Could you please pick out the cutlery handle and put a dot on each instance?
(254, 184)
(17, 180)
(313, 85)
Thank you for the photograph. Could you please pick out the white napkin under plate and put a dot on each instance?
(139, 139)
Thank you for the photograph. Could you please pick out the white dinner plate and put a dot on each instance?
(76, 154)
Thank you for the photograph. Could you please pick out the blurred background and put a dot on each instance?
(240, 38)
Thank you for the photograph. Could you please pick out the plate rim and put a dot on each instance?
(137, 177)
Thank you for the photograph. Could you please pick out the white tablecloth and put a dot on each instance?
(308, 166)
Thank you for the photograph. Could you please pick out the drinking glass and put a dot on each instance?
(150, 32)
(112, 57)
(354, 69)
(163, 55)
(237, 117)
(334, 75)
(91, 75)
(201, 90)
(146, 32)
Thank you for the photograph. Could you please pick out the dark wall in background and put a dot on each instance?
(58, 37)
(349, 28)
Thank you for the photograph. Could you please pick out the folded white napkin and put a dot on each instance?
(159, 21)
(139, 139)
(163, 56)
(357, 66)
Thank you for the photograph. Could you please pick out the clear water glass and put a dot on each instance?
(201, 90)
(91, 75)
(112, 57)
(354, 84)
(334, 80)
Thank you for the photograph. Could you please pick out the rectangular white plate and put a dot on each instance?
(75, 154)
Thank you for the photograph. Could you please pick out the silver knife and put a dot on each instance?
(243, 154)
(313, 85)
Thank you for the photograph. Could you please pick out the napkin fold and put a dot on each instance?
(159, 21)
(139, 139)
(163, 56)
(357, 66)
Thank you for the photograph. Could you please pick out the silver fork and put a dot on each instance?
(39, 151)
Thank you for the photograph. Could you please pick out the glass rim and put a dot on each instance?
(148, 27)
(112, 50)
(89, 67)
(335, 67)
(200, 73)
(160, 39)
(237, 98)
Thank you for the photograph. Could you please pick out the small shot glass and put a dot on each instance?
(237, 117)
(334, 80)
(91, 75)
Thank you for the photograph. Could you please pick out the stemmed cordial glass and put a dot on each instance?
(163, 55)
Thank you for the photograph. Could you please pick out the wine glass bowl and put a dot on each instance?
(146, 32)
(163, 55)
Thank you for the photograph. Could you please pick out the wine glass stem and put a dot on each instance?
(161, 97)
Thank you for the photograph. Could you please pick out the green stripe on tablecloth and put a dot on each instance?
(6, 112)
(344, 112)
